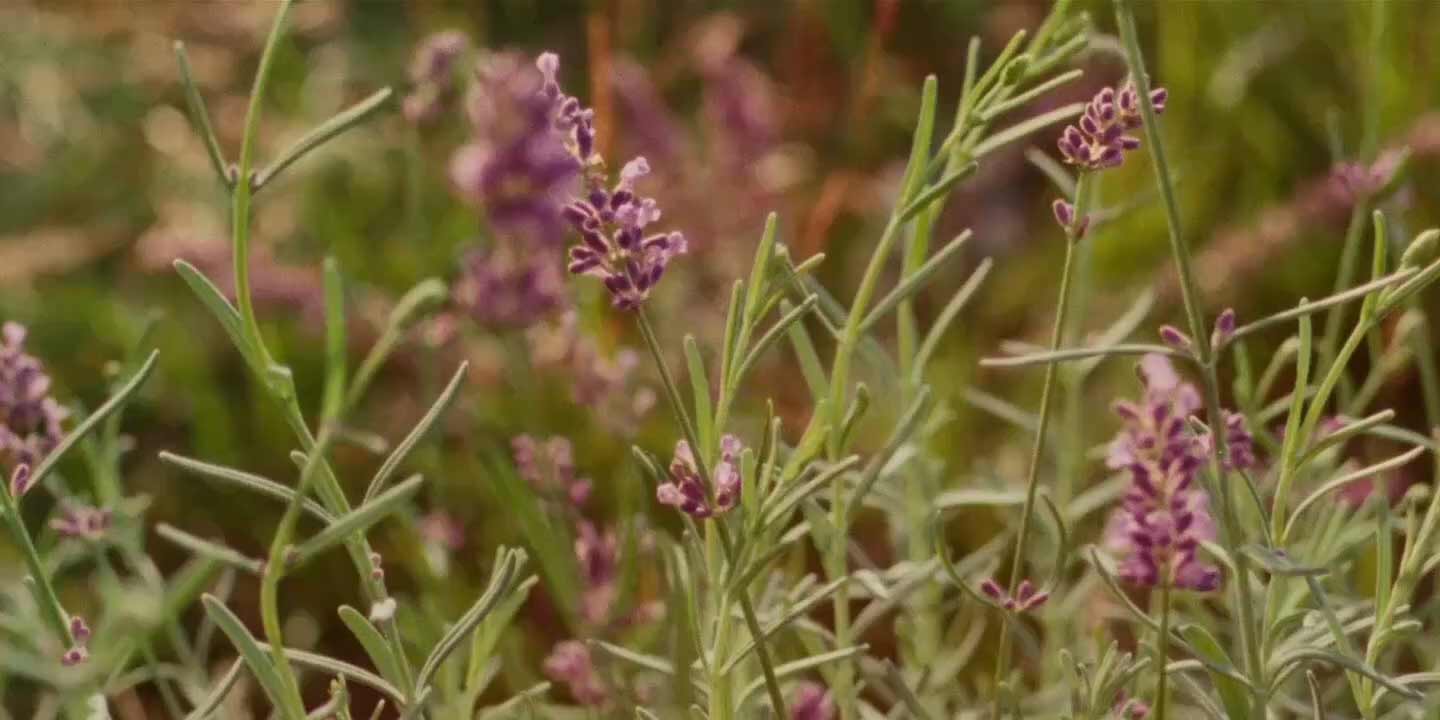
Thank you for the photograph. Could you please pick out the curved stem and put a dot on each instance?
(244, 190)
(1037, 450)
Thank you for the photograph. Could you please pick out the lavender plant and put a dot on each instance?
(1243, 556)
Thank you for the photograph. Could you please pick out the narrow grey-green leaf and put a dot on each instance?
(370, 638)
(502, 582)
(243, 479)
(356, 521)
(255, 656)
(401, 451)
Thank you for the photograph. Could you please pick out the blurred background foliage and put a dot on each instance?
(103, 183)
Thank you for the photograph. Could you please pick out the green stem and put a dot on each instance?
(1162, 652)
(243, 191)
(1200, 336)
(677, 404)
(1042, 431)
(49, 602)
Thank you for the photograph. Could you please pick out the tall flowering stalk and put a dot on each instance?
(612, 223)
(1097, 142)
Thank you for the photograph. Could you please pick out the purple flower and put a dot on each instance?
(605, 384)
(549, 467)
(431, 72)
(1098, 141)
(614, 247)
(686, 491)
(812, 702)
(517, 166)
(570, 663)
(1164, 515)
(1131, 708)
(598, 554)
(1224, 328)
(509, 290)
(79, 651)
(440, 528)
(20, 481)
(30, 419)
(1026, 596)
(82, 522)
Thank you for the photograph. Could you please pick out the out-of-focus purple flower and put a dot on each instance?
(548, 466)
(1164, 515)
(517, 166)
(686, 491)
(441, 528)
(1351, 182)
(607, 385)
(1026, 597)
(432, 76)
(570, 663)
(649, 123)
(509, 290)
(1239, 443)
(740, 103)
(598, 554)
(1131, 708)
(812, 701)
(1098, 141)
(79, 651)
(614, 247)
(82, 522)
(1065, 217)
(30, 419)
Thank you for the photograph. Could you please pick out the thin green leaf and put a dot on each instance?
(212, 701)
(415, 300)
(242, 479)
(326, 131)
(914, 283)
(220, 308)
(1311, 655)
(937, 191)
(334, 341)
(638, 659)
(78, 433)
(1364, 473)
(356, 521)
(1025, 127)
(1232, 694)
(700, 390)
(1048, 358)
(772, 335)
(805, 665)
(370, 638)
(255, 656)
(331, 666)
(401, 451)
(207, 549)
(502, 582)
(200, 118)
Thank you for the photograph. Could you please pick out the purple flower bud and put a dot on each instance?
(811, 702)
(1172, 336)
(570, 663)
(19, 481)
(79, 630)
(1224, 328)
(1064, 213)
(992, 589)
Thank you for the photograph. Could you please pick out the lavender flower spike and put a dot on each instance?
(30, 419)
(613, 245)
(1098, 141)
(1164, 515)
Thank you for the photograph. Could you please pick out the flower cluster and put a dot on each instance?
(598, 555)
(812, 702)
(570, 663)
(611, 221)
(30, 419)
(549, 467)
(1026, 597)
(432, 76)
(1164, 515)
(614, 247)
(78, 652)
(82, 522)
(516, 166)
(604, 384)
(1099, 140)
(686, 490)
(509, 290)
